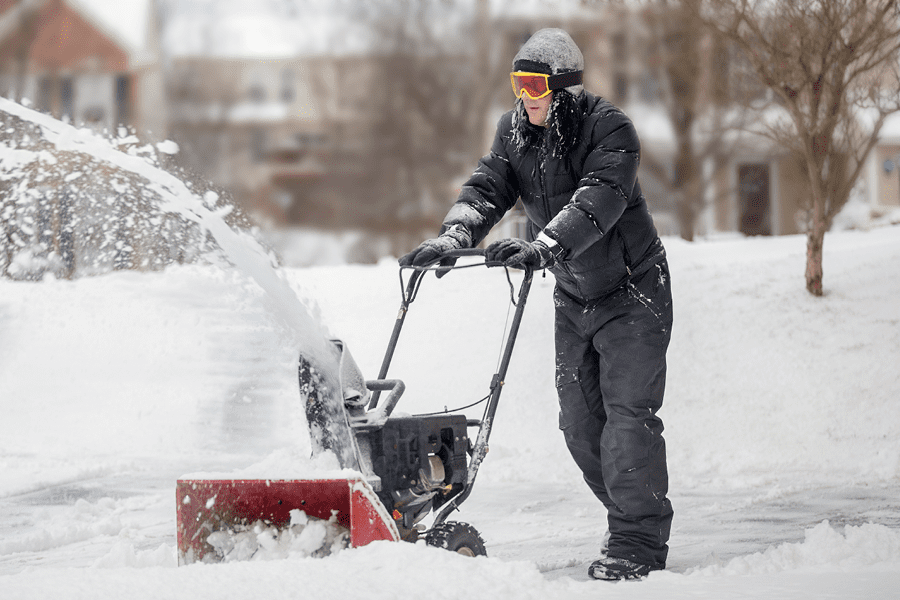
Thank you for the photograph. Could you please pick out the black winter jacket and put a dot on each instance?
(589, 201)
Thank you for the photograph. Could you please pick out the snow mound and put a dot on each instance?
(865, 546)
(123, 555)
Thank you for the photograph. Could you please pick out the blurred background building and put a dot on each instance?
(365, 117)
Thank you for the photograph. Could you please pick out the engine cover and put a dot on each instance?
(401, 449)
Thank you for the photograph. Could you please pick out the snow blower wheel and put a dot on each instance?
(456, 537)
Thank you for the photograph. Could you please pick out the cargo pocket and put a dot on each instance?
(573, 406)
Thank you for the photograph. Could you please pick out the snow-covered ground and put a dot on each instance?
(783, 425)
(783, 428)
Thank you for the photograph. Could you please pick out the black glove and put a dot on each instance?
(513, 252)
(431, 250)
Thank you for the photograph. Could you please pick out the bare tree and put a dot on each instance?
(705, 120)
(684, 56)
(433, 77)
(833, 68)
(677, 48)
(677, 39)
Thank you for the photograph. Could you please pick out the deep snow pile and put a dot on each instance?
(780, 385)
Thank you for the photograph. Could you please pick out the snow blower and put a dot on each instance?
(405, 467)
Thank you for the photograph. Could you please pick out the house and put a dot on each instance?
(93, 62)
(251, 106)
(882, 173)
(249, 124)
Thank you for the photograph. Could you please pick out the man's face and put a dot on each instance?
(537, 109)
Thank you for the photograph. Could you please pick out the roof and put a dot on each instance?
(890, 131)
(126, 23)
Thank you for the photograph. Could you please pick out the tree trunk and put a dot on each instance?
(815, 239)
(685, 185)
(686, 216)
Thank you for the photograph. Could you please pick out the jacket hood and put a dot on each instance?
(555, 51)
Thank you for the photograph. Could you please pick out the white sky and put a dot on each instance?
(125, 20)
(269, 28)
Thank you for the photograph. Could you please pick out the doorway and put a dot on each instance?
(753, 199)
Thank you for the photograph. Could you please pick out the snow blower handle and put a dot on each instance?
(409, 290)
(441, 265)
(463, 252)
(458, 253)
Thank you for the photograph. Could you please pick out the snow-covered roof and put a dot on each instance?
(125, 22)
(890, 131)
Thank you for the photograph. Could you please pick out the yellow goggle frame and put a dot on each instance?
(539, 85)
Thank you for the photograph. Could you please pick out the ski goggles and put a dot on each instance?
(538, 85)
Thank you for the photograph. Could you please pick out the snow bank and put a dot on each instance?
(768, 383)
(857, 548)
(826, 565)
(124, 555)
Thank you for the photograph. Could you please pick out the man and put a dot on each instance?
(572, 159)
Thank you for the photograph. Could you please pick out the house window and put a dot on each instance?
(123, 96)
(258, 144)
(45, 94)
(67, 97)
(745, 83)
(620, 87)
(287, 86)
(753, 198)
(650, 91)
(619, 47)
(257, 93)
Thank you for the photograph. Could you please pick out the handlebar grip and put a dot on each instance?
(461, 252)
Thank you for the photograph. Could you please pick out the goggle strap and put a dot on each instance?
(564, 80)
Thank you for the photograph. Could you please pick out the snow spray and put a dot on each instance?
(174, 197)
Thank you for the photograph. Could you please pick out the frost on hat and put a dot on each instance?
(552, 51)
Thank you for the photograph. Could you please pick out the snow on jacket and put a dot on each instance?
(589, 201)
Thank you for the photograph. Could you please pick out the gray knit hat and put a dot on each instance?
(551, 51)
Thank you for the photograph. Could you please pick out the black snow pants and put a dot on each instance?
(610, 376)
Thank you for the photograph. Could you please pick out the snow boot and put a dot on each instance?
(611, 568)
